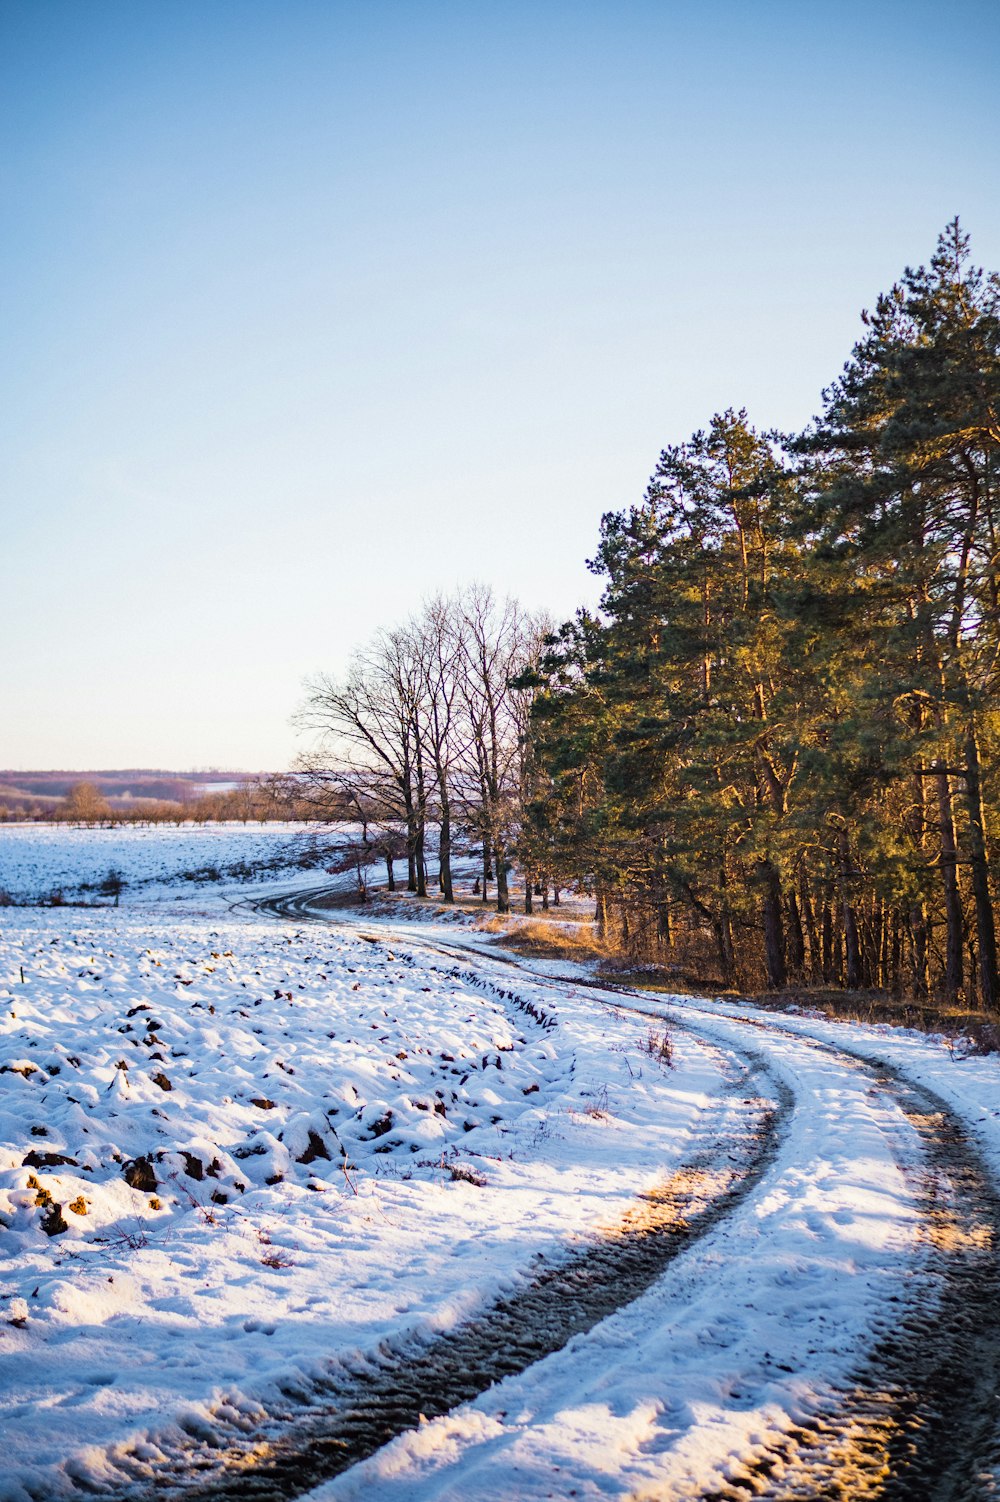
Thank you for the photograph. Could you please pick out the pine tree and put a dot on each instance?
(906, 501)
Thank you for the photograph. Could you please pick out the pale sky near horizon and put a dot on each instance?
(311, 309)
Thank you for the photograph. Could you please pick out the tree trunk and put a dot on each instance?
(503, 894)
(724, 942)
(979, 863)
(528, 905)
(871, 949)
(829, 968)
(444, 853)
(808, 910)
(774, 936)
(896, 954)
(919, 933)
(949, 875)
(884, 942)
(852, 947)
(918, 949)
(796, 938)
(724, 930)
(972, 990)
(487, 871)
(420, 864)
(390, 872)
(411, 838)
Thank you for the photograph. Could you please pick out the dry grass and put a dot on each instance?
(545, 939)
(382, 901)
(980, 1029)
(464, 1173)
(277, 1260)
(659, 1046)
(978, 1032)
(568, 938)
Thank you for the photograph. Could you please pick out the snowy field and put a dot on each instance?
(237, 1154)
(38, 860)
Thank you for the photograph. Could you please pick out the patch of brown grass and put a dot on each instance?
(670, 980)
(538, 938)
(978, 1032)
(927, 1015)
(980, 1029)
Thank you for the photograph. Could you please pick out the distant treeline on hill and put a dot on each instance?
(138, 796)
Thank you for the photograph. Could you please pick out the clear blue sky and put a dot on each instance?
(310, 309)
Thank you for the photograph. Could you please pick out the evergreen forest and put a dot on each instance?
(773, 751)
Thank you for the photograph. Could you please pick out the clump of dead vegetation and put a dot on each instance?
(657, 1043)
(545, 939)
(464, 1173)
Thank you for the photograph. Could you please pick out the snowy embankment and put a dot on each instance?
(231, 1152)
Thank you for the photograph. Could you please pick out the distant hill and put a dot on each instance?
(37, 792)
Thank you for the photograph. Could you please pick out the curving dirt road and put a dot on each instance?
(919, 1417)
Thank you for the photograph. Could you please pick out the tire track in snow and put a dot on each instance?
(920, 1419)
(406, 1384)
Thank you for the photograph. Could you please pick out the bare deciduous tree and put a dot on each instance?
(85, 805)
(437, 641)
(428, 727)
(498, 642)
(370, 725)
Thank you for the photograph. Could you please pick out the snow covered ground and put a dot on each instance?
(235, 1152)
(231, 1150)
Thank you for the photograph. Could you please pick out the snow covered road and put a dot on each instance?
(836, 1335)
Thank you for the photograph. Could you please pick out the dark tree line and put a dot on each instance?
(778, 740)
(263, 799)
